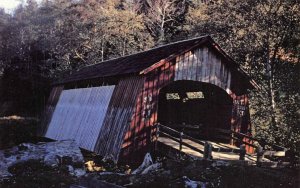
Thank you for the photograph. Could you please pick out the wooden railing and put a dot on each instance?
(240, 136)
(180, 136)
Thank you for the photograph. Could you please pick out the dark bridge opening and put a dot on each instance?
(196, 108)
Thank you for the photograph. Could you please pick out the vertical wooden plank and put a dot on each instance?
(203, 65)
(222, 75)
(218, 72)
(117, 120)
(210, 63)
(180, 68)
(177, 59)
(188, 66)
(48, 112)
(214, 70)
(198, 64)
(228, 84)
(194, 65)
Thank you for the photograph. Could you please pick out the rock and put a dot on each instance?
(79, 172)
(4, 172)
(152, 168)
(3, 167)
(52, 153)
(166, 173)
(146, 163)
(192, 184)
(220, 163)
(111, 173)
(56, 151)
(93, 182)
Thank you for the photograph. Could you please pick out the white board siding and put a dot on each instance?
(205, 66)
(79, 115)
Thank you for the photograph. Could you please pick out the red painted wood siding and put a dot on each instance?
(118, 117)
(138, 138)
(198, 65)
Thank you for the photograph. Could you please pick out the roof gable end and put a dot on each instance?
(143, 62)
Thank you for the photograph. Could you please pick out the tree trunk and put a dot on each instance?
(161, 38)
(102, 50)
(124, 47)
(272, 99)
(271, 91)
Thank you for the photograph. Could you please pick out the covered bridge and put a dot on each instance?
(111, 107)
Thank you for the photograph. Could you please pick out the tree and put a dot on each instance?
(259, 34)
(3, 23)
(47, 41)
(163, 17)
(123, 30)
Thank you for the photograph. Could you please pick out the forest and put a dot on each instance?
(44, 41)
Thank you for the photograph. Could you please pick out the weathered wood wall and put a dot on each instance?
(50, 107)
(240, 120)
(201, 64)
(204, 65)
(138, 137)
(118, 117)
(79, 115)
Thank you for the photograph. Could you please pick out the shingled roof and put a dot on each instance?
(138, 62)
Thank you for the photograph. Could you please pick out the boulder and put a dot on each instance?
(65, 152)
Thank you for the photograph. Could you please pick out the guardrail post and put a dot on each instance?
(180, 143)
(207, 151)
(157, 135)
(260, 154)
(231, 138)
(242, 152)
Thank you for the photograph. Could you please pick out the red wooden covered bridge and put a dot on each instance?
(111, 107)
